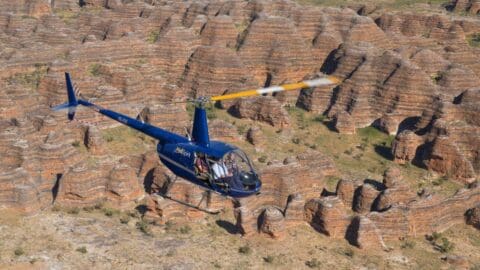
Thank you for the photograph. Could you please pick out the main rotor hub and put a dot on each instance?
(200, 102)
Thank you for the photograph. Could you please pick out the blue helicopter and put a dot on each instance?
(213, 165)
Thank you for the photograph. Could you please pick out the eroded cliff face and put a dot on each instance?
(411, 75)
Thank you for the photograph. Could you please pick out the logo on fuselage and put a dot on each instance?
(182, 152)
(123, 120)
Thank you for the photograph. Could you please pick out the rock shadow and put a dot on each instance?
(327, 193)
(352, 232)
(384, 151)
(376, 184)
(56, 187)
(148, 181)
(142, 209)
(330, 64)
(408, 123)
(228, 226)
(330, 125)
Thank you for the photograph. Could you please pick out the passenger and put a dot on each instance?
(201, 167)
(220, 170)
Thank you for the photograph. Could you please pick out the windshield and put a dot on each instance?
(238, 161)
(234, 171)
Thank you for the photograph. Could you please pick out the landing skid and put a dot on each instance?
(197, 207)
(205, 194)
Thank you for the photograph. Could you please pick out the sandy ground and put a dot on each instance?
(92, 240)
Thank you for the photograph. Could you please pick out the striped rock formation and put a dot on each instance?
(450, 146)
(280, 189)
(469, 6)
(397, 213)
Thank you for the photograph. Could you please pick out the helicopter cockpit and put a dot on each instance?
(232, 173)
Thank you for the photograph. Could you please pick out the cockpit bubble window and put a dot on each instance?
(238, 161)
(241, 174)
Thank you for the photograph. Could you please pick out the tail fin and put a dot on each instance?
(72, 103)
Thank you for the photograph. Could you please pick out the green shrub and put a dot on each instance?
(82, 250)
(349, 252)
(108, 137)
(88, 209)
(76, 144)
(124, 219)
(440, 181)
(313, 263)
(262, 159)
(73, 211)
(99, 205)
(362, 146)
(245, 250)
(474, 40)
(143, 227)
(19, 251)
(241, 26)
(109, 212)
(358, 156)
(269, 259)
(296, 140)
(133, 214)
(440, 243)
(95, 69)
(408, 244)
(185, 229)
(445, 245)
(436, 77)
(241, 129)
(435, 236)
(153, 36)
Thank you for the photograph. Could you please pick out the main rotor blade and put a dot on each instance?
(330, 80)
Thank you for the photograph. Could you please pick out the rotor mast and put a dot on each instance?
(200, 126)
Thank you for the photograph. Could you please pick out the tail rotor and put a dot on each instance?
(72, 103)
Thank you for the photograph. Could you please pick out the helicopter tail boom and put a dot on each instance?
(150, 130)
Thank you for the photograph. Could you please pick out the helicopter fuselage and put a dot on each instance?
(183, 155)
(180, 158)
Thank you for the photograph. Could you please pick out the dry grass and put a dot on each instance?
(123, 140)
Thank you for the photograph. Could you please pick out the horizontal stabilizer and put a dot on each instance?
(60, 107)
